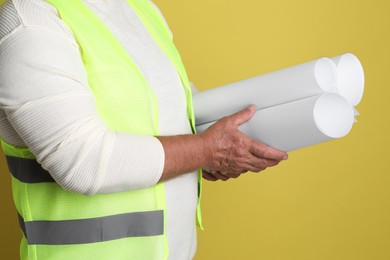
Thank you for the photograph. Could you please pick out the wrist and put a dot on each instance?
(204, 151)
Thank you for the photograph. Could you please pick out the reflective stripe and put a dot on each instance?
(28, 170)
(21, 224)
(82, 231)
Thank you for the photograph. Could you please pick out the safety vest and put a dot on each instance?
(58, 224)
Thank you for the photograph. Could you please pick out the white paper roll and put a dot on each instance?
(300, 123)
(268, 90)
(355, 112)
(350, 77)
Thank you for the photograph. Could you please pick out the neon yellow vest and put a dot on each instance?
(58, 224)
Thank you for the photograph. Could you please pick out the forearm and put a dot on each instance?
(222, 149)
(183, 154)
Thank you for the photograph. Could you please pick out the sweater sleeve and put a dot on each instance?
(45, 96)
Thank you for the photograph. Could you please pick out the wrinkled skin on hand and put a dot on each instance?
(231, 153)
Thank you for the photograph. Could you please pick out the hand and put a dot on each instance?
(231, 153)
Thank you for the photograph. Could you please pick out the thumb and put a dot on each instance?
(243, 116)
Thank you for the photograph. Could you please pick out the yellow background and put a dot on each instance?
(329, 201)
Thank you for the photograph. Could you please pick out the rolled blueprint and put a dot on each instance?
(350, 77)
(294, 83)
(301, 123)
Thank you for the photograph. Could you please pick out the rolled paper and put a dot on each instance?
(272, 89)
(350, 77)
(296, 107)
(301, 123)
(355, 112)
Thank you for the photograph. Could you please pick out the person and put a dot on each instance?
(97, 126)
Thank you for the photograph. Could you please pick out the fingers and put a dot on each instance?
(220, 176)
(231, 152)
(242, 116)
(256, 168)
(208, 176)
(258, 165)
(263, 151)
(216, 175)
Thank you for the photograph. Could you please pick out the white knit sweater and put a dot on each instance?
(46, 104)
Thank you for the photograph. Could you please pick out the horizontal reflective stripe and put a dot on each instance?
(28, 170)
(82, 231)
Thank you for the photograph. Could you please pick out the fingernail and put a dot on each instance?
(285, 157)
(252, 107)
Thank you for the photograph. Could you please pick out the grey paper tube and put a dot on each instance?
(272, 89)
(301, 123)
